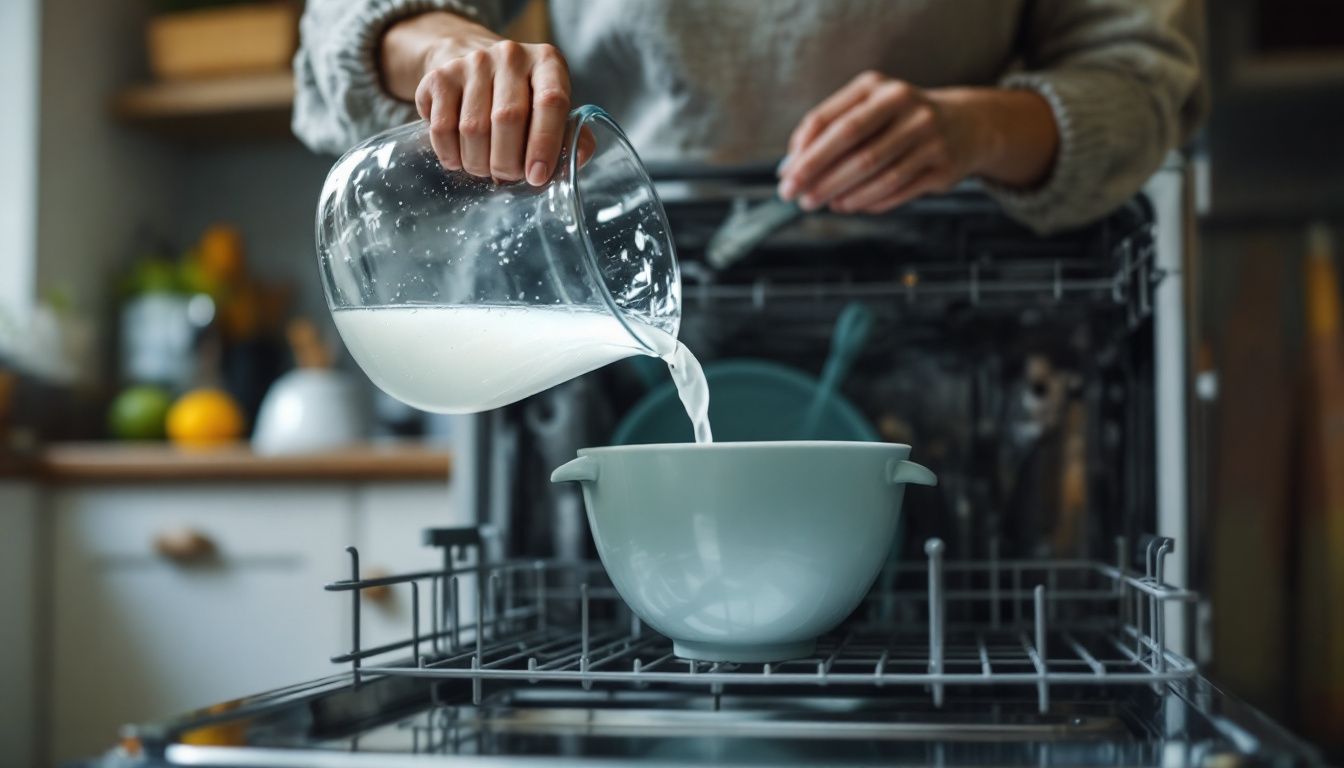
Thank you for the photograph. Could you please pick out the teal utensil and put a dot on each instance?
(850, 335)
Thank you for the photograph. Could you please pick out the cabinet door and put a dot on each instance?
(140, 635)
(389, 520)
(18, 617)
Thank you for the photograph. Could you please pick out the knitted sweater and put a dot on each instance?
(726, 81)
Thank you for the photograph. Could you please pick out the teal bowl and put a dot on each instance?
(749, 400)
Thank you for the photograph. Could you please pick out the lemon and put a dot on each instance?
(205, 417)
(138, 413)
(227, 733)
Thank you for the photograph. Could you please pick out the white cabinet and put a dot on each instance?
(140, 634)
(19, 599)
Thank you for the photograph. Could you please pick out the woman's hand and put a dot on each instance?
(879, 142)
(496, 108)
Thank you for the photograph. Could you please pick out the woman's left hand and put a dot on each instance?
(879, 142)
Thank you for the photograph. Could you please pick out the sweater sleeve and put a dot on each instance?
(1122, 78)
(339, 99)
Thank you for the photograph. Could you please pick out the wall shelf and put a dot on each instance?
(237, 107)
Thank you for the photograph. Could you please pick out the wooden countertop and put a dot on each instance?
(12, 466)
(130, 462)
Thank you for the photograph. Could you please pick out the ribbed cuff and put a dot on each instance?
(357, 55)
(1075, 191)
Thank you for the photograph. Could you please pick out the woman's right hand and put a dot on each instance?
(496, 108)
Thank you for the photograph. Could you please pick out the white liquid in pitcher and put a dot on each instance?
(470, 358)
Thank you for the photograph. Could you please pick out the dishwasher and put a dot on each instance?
(1040, 608)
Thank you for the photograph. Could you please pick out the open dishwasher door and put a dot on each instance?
(1008, 662)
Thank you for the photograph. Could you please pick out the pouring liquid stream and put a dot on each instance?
(692, 388)
(472, 358)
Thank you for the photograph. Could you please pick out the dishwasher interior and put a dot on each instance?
(1028, 616)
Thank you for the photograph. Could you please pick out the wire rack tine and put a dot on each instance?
(355, 656)
(415, 624)
(1150, 567)
(436, 612)
(1041, 653)
(934, 549)
(479, 633)
(1160, 615)
(455, 628)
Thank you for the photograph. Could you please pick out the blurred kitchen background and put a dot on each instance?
(157, 280)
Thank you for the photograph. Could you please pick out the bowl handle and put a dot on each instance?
(910, 472)
(582, 470)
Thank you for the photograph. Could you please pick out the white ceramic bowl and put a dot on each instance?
(310, 410)
(744, 552)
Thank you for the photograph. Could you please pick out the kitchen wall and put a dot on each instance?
(1274, 136)
(269, 189)
(1276, 173)
(103, 185)
(98, 182)
(18, 135)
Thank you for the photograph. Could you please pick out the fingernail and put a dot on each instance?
(783, 164)
(787, 188)
(808, 203)
(537, 174)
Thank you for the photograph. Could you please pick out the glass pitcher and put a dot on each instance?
(456, 294)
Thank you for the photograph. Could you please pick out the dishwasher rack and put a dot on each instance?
(1126, 281)
(936, 625)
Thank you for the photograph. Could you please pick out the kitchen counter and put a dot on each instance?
(129, 462)
(13, 466)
